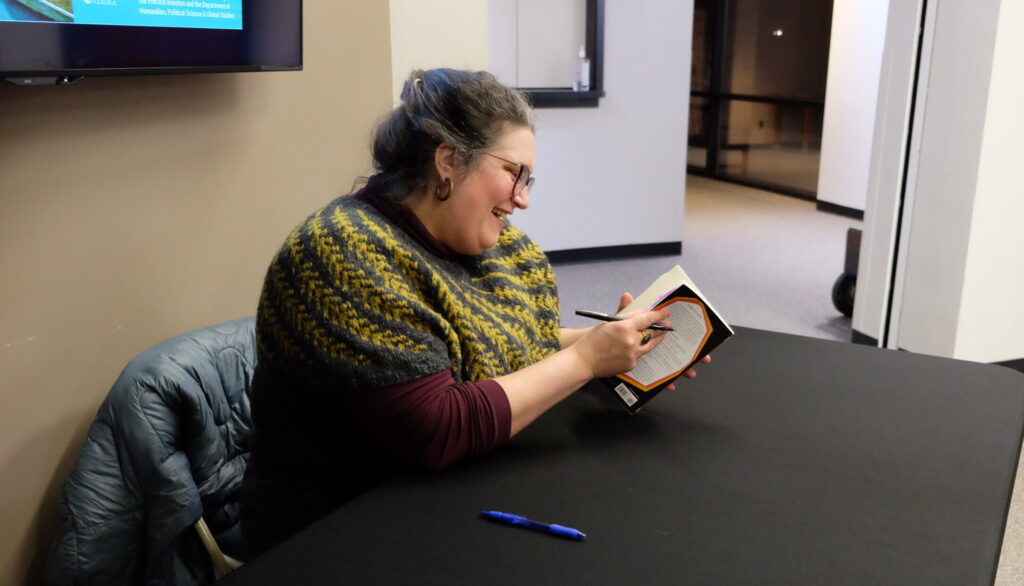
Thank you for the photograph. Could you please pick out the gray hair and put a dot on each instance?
(466, 109)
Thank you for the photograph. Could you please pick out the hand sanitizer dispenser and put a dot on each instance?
(582, 82)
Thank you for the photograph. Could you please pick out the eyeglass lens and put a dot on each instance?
(524, 180)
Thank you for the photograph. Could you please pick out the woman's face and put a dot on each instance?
(481, 199)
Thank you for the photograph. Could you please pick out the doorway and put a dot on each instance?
(757, 96)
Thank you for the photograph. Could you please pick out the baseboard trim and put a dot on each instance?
(859, 338)
(599, 253)
(834, 208)
(1014, 364)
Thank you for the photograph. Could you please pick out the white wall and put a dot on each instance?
(939, 220)
(886, 170)
(439, 33)
(854, 66)
(616, 174)
(991, 324)
(503, 39)
(535, 43)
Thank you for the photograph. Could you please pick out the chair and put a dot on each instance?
(160, 472)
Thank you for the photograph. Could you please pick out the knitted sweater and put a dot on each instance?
(375, 349)
(352, 301)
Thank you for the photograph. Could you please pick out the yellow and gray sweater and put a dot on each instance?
(354, 300)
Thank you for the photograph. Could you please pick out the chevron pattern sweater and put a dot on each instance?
(353, 301)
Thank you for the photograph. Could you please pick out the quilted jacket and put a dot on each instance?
(170, 443)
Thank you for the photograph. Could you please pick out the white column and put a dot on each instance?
(959, 286)
(854, 67)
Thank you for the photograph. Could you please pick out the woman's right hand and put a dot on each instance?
(603, 350)
(616, 347)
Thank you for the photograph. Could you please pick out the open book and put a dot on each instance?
(698, 329)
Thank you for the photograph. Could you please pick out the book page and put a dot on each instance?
(663, 286)
(677, 349)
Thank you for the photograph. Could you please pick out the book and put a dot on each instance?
(697, 330)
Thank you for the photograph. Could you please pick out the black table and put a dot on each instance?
(789, 460)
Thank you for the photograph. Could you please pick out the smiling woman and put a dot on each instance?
(410, 323)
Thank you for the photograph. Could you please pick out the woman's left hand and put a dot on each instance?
(691, 372)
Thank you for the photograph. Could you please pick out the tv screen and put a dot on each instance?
(57, 41)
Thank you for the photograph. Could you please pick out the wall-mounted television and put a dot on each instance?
(58, 41)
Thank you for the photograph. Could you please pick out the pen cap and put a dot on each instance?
(566, 532)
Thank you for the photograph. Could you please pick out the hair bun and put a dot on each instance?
(466, 109)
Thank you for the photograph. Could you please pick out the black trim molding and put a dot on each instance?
(599, 253)
(859, 338)
(790, 191)
(559, 97)
(1014, 364)
(834, 208)
(782, 101)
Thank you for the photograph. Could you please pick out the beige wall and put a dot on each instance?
(438, 33)
(134, 209)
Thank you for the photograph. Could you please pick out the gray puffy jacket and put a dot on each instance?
(170, 443)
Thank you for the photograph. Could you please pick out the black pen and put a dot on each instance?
(606, 317)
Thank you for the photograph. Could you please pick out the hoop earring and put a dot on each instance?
(437, 190)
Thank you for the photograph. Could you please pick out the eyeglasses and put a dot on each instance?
(524, 179)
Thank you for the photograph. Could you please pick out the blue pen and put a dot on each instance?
(520, 521)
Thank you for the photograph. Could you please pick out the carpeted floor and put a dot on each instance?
(763, 260)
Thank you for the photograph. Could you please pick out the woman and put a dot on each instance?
(409, 324)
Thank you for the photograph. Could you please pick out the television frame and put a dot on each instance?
(40, 53)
